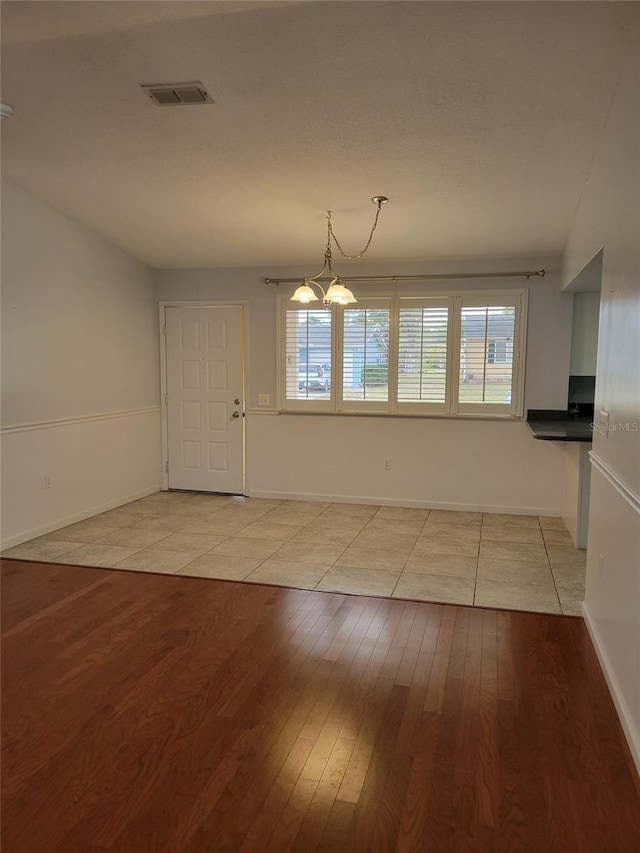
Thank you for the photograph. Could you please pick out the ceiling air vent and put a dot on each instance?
(175, 94)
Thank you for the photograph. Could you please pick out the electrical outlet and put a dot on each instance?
(264, 400)
(47, 482)
(387, 464)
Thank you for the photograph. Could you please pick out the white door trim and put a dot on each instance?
(186, 303)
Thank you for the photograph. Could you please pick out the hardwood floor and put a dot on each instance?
(161, 713)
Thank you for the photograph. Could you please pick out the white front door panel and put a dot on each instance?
(205, 389)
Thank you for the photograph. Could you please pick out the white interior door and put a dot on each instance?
(205, 398)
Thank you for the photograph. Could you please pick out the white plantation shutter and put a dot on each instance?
(365, 355)
(489, 342)
(307, 336)
(447, 354)
(423, 354)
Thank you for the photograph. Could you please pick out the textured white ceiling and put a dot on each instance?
(478, 119)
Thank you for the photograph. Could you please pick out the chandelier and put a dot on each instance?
(337, 292)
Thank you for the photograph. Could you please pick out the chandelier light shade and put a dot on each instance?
(304, 293)
(337, 293)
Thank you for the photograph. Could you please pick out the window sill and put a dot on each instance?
(412, 415)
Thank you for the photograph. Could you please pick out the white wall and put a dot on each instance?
(609, 216)
(584, 334)
(80, 388)
(490, 465)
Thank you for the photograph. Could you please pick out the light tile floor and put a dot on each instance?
(516, 562)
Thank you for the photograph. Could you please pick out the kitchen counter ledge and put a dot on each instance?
(559, 425)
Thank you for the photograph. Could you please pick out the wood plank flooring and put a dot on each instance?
(160, 713)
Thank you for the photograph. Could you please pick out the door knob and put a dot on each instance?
(235, 415)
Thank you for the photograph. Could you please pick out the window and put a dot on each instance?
(423, 353)
(453, 354)
(500, 352)
(486, 362)
(307, 356)
(365, 354)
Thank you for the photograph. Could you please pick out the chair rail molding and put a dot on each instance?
(79, 419)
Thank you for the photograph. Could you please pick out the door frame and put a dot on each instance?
(243, 304)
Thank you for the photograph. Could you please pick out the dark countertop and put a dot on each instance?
(559, 425)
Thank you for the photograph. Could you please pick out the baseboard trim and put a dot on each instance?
(360, 499)
(632, 736)
(27, 535)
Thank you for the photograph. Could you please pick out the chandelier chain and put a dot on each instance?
(368, 243)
